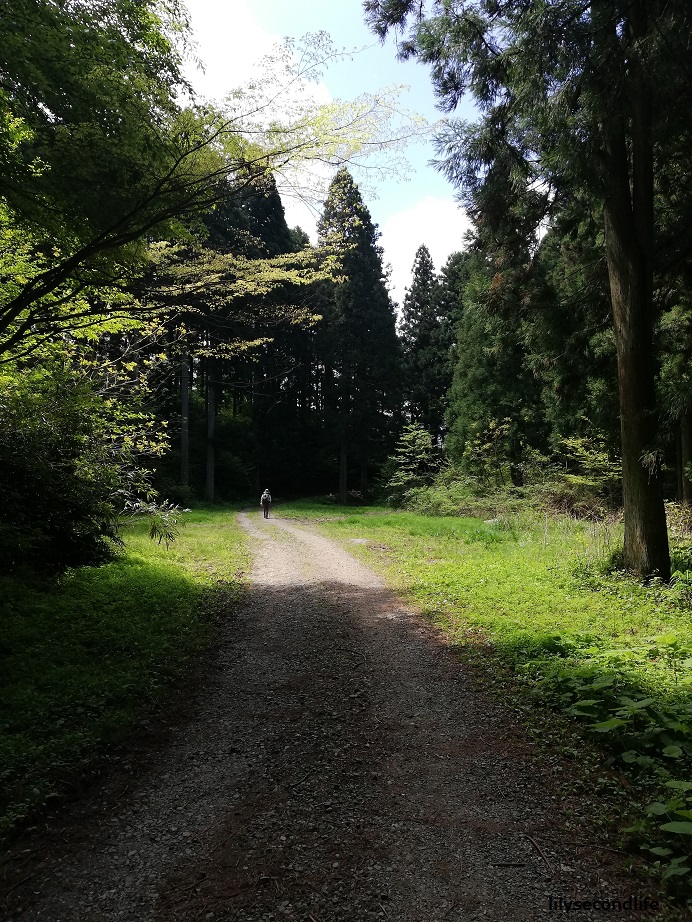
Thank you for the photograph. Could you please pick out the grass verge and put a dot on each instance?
(534, 594)
(84, 656)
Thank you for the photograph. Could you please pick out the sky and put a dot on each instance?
(420, 207)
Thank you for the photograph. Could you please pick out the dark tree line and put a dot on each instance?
(297, 387)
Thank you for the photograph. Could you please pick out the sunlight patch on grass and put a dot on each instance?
(604, 649)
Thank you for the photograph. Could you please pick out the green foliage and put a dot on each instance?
(105, 154)
(580, 478)
(57, 474)
(252, 223)
(413, 465)
(245, 303)
(495, 410)
(71, 460)
(163, 519)
(568, 329)
(453, 493)
(609, 79)
(85, 656)
(90, 83)
(427, 346)
(227, 303)
(675, 379)
(123, 198)
(487, 453)
(584, 480)
(539, 131)
(101, 149)
(357, 339)
(651, 736)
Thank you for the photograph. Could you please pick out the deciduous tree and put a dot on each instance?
(99, 148)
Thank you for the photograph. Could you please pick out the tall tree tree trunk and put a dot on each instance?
(255, 416)
(343, 465)
(686, 457)
(629, 235)
(211, 424)
(184, 419)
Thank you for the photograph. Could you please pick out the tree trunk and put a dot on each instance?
(255, 416)
(364, 482)
(629, 234)
(686, 457)
(211, 421)
(343, 467)
(184, 419)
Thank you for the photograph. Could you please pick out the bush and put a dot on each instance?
(169, 488)
(582, 481)
(455, 497)
(587, 482)
(414, 464)
(56, 479)
(69, 466)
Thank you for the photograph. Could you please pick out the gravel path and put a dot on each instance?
(339, 766)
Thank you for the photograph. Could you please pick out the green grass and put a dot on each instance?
(83, 657)
(531, 587)
(537, 594)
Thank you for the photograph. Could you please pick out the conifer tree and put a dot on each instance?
(567, 332)
(580, 97)
(361, 350)
(493, 390)
(426, 353)
(453, 279)
(241, 344)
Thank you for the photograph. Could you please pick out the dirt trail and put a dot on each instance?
(339, 766)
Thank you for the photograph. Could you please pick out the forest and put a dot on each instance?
(169, 347)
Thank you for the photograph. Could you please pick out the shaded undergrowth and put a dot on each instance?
(83, 656)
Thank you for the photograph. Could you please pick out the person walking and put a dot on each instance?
(265, 502)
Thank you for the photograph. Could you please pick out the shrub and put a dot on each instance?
(70, 464)
(57, 479)
(443, 498)
(587, 481)
(413, 465)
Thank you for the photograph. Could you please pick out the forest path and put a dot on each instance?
(340, 765)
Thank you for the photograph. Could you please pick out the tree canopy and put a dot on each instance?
(94, 162)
